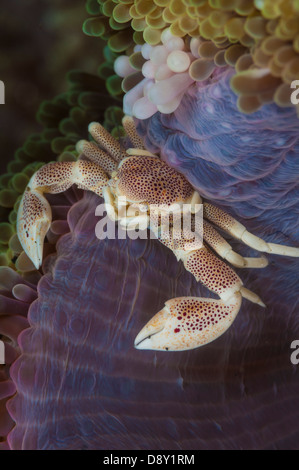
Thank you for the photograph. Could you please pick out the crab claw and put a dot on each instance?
(33, 223)
(187, 323)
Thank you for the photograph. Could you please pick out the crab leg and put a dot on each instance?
(140, 153)
(189, 322)
(237, 230)
(107, 141)
(96, 155)
(33, 222)
(130, 129)
(34, 214)
(138, 145)
(223, 249)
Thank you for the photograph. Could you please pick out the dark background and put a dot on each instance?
(40, 41)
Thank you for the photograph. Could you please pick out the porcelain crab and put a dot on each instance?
(135, 179)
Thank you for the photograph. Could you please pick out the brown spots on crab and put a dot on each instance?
(90, 176)
(223, 220)
(212, 237)
(106, 141)
(130, 129)
(200, 321)
(216, 215)
(151, 180)
(33, 222)
(212, 272)
(91, 151)
(33, 209)
(59, 176)
(195, 315)
(53, 177)
(188, 322)
(34, 213)
(179, 241)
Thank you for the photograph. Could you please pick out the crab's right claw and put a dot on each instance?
(33, 222)
(187, 323)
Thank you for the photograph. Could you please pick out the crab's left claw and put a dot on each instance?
(33, 223)
(34, 213)
(187, 323)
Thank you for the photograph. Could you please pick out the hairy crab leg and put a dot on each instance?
(92, 152)
(189, 322)
(34, 213)
(224, 249)
(237, 230)
(107, 141)
(130, 129)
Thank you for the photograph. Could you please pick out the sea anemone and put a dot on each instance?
(166, 72)
(80, 383)
(260, 39)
